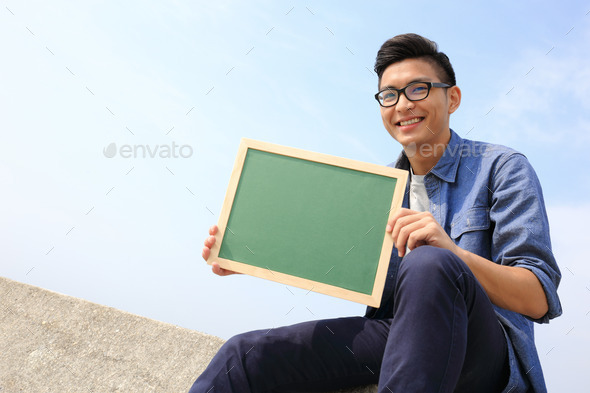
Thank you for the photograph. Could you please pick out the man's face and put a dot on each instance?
(415, 123)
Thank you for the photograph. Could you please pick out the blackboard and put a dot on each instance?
(309, 220)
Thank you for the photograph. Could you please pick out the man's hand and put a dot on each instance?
(209, 242)
(413, 229)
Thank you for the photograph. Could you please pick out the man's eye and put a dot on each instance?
(417, 89)
(388, 97)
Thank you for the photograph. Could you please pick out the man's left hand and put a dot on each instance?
(412, 229)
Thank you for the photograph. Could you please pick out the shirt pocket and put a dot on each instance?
(472, 220)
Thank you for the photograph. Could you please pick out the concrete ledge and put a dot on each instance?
(57, 343)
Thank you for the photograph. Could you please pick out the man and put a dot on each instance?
(471, 269)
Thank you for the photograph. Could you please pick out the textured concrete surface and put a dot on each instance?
(56, 343)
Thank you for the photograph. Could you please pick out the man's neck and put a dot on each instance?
(426, 157)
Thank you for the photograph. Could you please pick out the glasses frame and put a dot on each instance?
(403, 90)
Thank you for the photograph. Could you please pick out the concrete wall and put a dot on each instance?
(56, 343)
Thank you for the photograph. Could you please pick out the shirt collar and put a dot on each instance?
(447, 165)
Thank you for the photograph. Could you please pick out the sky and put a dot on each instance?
(120, 122)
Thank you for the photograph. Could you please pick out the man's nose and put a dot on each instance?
(403, 104)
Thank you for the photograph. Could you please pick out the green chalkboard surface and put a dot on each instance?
(310, 220)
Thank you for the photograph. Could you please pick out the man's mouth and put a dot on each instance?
(411, 121)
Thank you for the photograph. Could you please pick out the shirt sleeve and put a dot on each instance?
(521, 228)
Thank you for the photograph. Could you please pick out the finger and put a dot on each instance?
(213, 230)
(221, 271)
(210, 241)
(404, 221)
(216, 268)
(396, 216)
(418, 238)
(206, 252)
(401, 242)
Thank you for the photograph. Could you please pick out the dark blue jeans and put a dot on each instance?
(444, 337)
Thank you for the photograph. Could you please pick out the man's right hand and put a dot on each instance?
(209, 242)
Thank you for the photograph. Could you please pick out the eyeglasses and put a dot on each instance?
(415, 91)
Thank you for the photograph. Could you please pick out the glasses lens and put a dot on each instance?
(388, 97)
(417, 91)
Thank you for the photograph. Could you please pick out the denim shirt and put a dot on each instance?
(489, 200)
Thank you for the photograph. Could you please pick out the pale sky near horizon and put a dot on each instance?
(127, 232)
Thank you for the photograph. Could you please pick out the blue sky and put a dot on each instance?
(127, 232)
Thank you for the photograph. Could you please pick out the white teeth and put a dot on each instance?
(412, 121)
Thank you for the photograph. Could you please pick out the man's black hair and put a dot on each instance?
(413, 46)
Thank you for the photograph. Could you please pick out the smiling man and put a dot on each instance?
(471, 270)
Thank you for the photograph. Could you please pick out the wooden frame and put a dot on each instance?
(224, 250)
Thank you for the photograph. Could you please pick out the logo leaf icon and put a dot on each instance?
(110, 151)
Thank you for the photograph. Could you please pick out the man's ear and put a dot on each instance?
(454, 95)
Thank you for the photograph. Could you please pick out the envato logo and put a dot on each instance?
(147, 151)
(468, 149)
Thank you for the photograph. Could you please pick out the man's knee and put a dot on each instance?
(261, 348)
(428, 262)
(238, 346)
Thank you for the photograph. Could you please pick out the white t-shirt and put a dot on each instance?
(418, 196)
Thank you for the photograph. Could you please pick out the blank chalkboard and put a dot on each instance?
(309, 220)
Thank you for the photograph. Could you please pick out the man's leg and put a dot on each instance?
(445, 336)
(307, 357)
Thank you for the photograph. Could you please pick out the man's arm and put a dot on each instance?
(512, 288)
